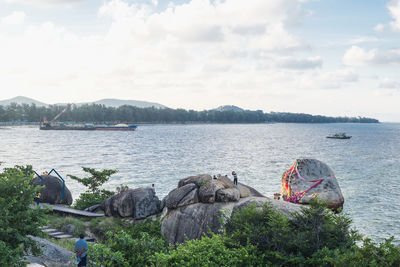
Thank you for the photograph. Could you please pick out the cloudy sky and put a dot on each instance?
(330, 57)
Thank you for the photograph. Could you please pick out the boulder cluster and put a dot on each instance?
(203, 189)
(138, 203)
(201, 204)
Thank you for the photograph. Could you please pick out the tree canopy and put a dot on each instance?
(95, 113)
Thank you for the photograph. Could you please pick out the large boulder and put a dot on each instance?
(52, 254)
(308, 179)
(207, 191)
(228, 195)
(200, 202)
(194, 221)
(136, 203)
(182, 196)
(54, 192)
(198, 180)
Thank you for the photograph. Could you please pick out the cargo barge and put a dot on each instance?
(88, 127)
(62, 126)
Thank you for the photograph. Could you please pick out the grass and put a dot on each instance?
(67, 244)
(58, 222)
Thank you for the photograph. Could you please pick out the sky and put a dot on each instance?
(328, 57)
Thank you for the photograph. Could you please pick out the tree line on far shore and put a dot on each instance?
(95, 113)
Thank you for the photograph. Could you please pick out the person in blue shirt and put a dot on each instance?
(81, 247)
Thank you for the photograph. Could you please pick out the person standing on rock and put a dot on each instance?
(81, 247)
(235, 181)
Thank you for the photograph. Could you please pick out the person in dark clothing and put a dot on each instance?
(235, 180)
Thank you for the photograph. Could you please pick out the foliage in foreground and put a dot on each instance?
(94, 194)
(131, 246)
(252, 237)
(209, 251)
(17, 217)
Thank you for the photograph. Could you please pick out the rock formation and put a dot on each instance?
(53, 255)
(201, 203)
(52, 193)
(308, 179)
(136, 203)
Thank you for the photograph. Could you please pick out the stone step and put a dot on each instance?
(54, 234)
(49, 230)
(63, 236)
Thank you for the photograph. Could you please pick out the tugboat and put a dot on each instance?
(339, 136)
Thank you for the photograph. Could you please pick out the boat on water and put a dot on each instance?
(54, 125)
(339, 136)
(88, 127)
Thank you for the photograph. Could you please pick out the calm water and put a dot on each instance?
(366, 166)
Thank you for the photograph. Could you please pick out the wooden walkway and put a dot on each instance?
(63, 209)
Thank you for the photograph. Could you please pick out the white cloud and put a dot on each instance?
(300, 63)
(33, 2)
(357, 56)
(379, 27)
(387, 83)
(15, 18)
(189, 55)
(394, 9)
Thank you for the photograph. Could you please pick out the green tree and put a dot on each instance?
(94, 194)
(18, 218)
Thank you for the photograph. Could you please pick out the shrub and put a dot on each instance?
(93, 195)
(101, 255)
(17, 217)
(87, 200)
(136, 244)
(291, 242)
(317, 227)
(209, 251)
(100, 226)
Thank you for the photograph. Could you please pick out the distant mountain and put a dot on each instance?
(117, 103)
(228, 108)
(107, 102)
(21, 100)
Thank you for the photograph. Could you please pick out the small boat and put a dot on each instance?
(339, 136)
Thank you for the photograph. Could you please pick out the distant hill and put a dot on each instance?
(107, 102)
(117, 103)
(22, 100)
(228, 108)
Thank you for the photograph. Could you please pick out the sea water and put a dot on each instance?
(366, 165)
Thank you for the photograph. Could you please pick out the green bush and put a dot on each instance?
(136, 244)
(317, 227)
(209, 251)
(100, 226)
(291, 242)
(18, 218)
(101, 255)
(87, 200)
(93, 195)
